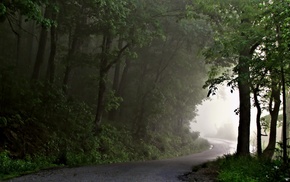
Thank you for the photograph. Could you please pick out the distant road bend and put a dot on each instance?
(151, 171)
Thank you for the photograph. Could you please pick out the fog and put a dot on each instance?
(216, 116)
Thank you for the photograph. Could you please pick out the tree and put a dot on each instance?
(235, 43)
(41, 49)
(277, 46)
(169, 79)
(50, 73)
(120, 21)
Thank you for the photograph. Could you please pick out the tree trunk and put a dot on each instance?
(284, 128)
(245, 104)
(117, 70)
(104, 61)
(122, 85)
(116, 80)
(101, 98)
(141, 96)
(258, 121)
(115, 87)
(51, 63)
(105, 66)
(274, 112)
(124, 78)
(19, 41)
(74, 45)
(66, 78)
(140, 132)
(32, 46)
(40, 52)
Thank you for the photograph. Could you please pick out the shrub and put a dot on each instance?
(244, 169)
(10, 167)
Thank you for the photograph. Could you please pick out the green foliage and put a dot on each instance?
(112, 145)
(3, 9)
(10, 167)
(56, 123)
(235, 30)
(29, 8)
(244, 169)
(113, 101)
(115, 145)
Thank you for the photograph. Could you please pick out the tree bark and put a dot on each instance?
(274, 113)
(243, 146)
(258, 121)
(122, 86)
(245, 105)
(284, 123)
(284, 127)
(66, 78)
(106, 46)
(50, 73)
(115, 87)
(117, 70)
(74, 44)
(19, 42)
(41, 51)
(141, 96)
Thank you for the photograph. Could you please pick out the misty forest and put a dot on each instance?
(104, 81)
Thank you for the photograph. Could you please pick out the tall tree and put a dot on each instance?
(277, 48)
(50, 73)
(236, 41)
(120, 19)
(41, 50)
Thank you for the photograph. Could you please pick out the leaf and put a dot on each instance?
(3, 121)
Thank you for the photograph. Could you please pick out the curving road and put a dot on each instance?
(162, 170)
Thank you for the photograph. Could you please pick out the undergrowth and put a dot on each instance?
(110, 146)
(41, 127)
(251, 169)
(10, 167)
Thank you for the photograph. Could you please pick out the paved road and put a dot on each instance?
(152, 171)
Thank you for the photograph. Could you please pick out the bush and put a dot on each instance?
(115, 145)
(244, 169)
(10, 167)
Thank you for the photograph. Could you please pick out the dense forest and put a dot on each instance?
(99, 81)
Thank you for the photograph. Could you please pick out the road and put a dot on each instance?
(152, 171)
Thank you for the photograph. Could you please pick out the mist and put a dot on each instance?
(216, 116)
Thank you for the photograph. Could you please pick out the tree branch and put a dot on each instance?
(117, 58)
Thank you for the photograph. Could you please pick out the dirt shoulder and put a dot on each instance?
(202, 173)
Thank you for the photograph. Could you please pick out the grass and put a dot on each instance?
(250, 169)
(10, 168)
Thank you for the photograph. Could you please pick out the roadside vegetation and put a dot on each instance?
(233, 168)
(64, 137)
(42, 128)
(118, 152)
(251, 169)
